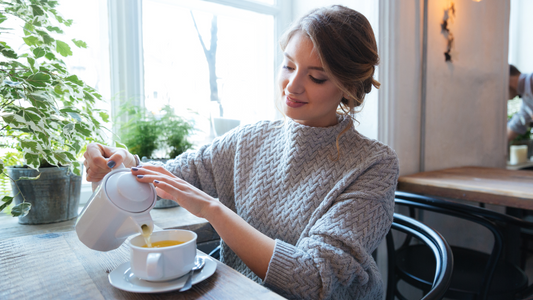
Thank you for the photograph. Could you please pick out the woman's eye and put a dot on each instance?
(288, 68)
(319, 81)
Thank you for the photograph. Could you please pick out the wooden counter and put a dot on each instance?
(510, 188)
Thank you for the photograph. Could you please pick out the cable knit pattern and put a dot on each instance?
(327, 216)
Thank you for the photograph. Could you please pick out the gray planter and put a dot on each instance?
(161, 203)
(54, 197)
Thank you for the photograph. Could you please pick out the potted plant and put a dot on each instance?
(47, 115)
(513, 106)
(155, 137)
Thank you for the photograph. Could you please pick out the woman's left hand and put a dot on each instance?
(168, 186)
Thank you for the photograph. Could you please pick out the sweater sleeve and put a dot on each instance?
(209, 167)
(336, 254)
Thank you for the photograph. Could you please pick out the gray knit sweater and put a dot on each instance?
(327, 216)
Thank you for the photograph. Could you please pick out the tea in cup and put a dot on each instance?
(171, 256)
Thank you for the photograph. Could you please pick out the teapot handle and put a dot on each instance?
(96, 184)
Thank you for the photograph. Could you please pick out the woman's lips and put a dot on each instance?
(291, 102)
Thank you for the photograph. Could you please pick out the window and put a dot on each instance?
(92, 63)
(180, 66)
(207, 61)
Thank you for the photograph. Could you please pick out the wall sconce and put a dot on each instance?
(449, 14)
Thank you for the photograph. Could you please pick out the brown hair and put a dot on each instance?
(347, 49)
(513, 71)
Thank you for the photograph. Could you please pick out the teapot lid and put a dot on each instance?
(128, 194)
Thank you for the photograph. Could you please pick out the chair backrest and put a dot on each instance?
(484, 217)
(439, 247)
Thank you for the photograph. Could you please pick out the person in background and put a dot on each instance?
(520, 85)
(300, 204)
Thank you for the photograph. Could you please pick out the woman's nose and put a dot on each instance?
(295, 84)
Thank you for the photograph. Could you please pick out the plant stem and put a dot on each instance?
(14, 181)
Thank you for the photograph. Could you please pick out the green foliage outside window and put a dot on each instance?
(146, 132)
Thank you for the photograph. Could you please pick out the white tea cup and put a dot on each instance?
(165, 263)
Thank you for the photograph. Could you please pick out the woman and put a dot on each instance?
(303, 203)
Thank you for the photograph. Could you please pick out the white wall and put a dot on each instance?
(466, 99)
(368, 118)
(520, 37)
(466, 103)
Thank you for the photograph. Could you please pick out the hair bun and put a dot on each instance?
(367, 85)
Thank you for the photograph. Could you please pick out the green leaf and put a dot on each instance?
(74, 79)
(13, 120)
(29, 146)
(80, 44)
(31, 40)
(39, 52)
(47, 39)
(62, 158)
(32, 114)
(58, 89)
(69, 109)
(8, 53)
(71, 157)
(53, 28)
(40, 97)
(30, 178)
(37, 10)
(82, 128)
(7, 202)
(29, 28)
(21, 209)
(50, 56)
(77, 167)
(32, 160)
(39, 79)
(104, 116)
(63, 48)
(31, 61)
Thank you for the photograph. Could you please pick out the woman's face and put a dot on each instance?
(309, 95)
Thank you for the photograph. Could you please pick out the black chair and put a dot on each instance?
(476, 275)
(439, 270)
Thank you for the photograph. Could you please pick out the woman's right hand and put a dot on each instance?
(100, 160)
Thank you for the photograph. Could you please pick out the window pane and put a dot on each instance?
(178, 73)
(90, 64)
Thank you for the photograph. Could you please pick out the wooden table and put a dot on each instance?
(59, 266)
(49, 262)
(510, 188)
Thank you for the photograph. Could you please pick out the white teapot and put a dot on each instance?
(118, 208)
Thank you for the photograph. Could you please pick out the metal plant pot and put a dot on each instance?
(54, 197)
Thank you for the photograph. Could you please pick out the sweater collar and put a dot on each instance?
(308, 134)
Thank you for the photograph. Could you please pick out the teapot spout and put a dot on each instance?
(133, 224)
(145, 224)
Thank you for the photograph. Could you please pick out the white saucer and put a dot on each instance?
(122, 278)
